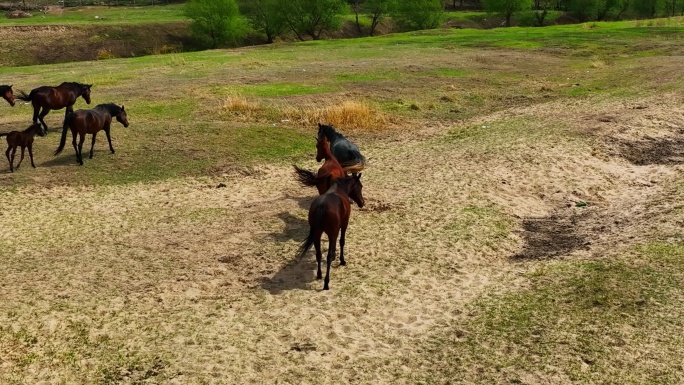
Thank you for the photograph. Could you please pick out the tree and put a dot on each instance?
(356, 7)
(541, 8)
(507, 7)
(583, 9)
(265, 16)
(671, 7)
(312, 17)
(215, 20)
(418, 14)
(377, 10)
(648, 8)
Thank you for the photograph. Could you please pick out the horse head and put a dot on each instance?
(85, 92)
(121, 117)
(8, 95)
(325, 130)
(355, 190)
(322, 148)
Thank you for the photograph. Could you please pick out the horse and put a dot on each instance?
(21, 139)
(346, 152)
(83, 122)
(329, 213)
(327, 174)
(55, 98)
(7, 94)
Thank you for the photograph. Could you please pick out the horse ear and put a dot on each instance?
(12, 86)
(320, 125)
(359, 176)
(122, 107)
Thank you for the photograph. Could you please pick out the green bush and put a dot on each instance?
(215, 22)
(418, 14)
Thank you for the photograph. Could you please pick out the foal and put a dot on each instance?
(329, 213)
(327, 174)
(21, 139)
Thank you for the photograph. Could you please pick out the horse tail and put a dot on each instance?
(21, 95)
(306, 177)
(355, 167)
(62, 140)
(318, 218)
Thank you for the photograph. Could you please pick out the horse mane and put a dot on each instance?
(111, 108)
(330, 133)
(73, 84)
(4, 87)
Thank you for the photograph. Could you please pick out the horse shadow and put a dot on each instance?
(63, 160)
(295, 228)
(296, 274)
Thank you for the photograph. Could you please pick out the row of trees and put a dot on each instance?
(223, 21)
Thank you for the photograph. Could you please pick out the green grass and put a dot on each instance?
(106, 15)
(585, 320)
(283, 89)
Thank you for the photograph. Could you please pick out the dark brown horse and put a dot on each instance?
(346, 152)
(7, 94)
(327, 174)
(329, 213)
(84, 122)
(21, 139)
(55, 98)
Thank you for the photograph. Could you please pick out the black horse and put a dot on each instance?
(7, 94)
(346, 152)
(55, 98)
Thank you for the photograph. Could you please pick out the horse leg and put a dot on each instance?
(35, 114)
(109, 139)
(331, 255)
(21, 159)
(30, 148)
(344, 231)
(73, 141)
(319, 257)
(42, 115)
(81, 139)
(14, 151)
(92, 145)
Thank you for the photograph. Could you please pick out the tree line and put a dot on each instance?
(223, 21)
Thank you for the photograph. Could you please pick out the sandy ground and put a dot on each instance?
(184, 282)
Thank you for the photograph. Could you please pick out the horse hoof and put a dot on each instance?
(326, 288)
(113, 151)
(343, 263)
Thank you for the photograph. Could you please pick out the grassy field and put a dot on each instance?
(102, 15)
(523, 221)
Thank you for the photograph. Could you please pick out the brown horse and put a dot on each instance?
(327, 174)
(329, 213)
(55, 98)
(21, 139)
(7, 94)
(84, 122)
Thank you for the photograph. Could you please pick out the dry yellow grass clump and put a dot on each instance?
(348, 114)
(240, 106)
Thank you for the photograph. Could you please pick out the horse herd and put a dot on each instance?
(80, 122)
(329, 212)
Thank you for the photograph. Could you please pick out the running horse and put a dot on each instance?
(47, 98)
(346, 152)
(327, 174)
(84, 122)
(329, 214)
(7, 94)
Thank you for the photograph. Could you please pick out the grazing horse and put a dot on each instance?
(7, 94)
(55, 98)
(84, 122)
(346, 152)
(327, 174)
(329, 213)
(21, 139)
